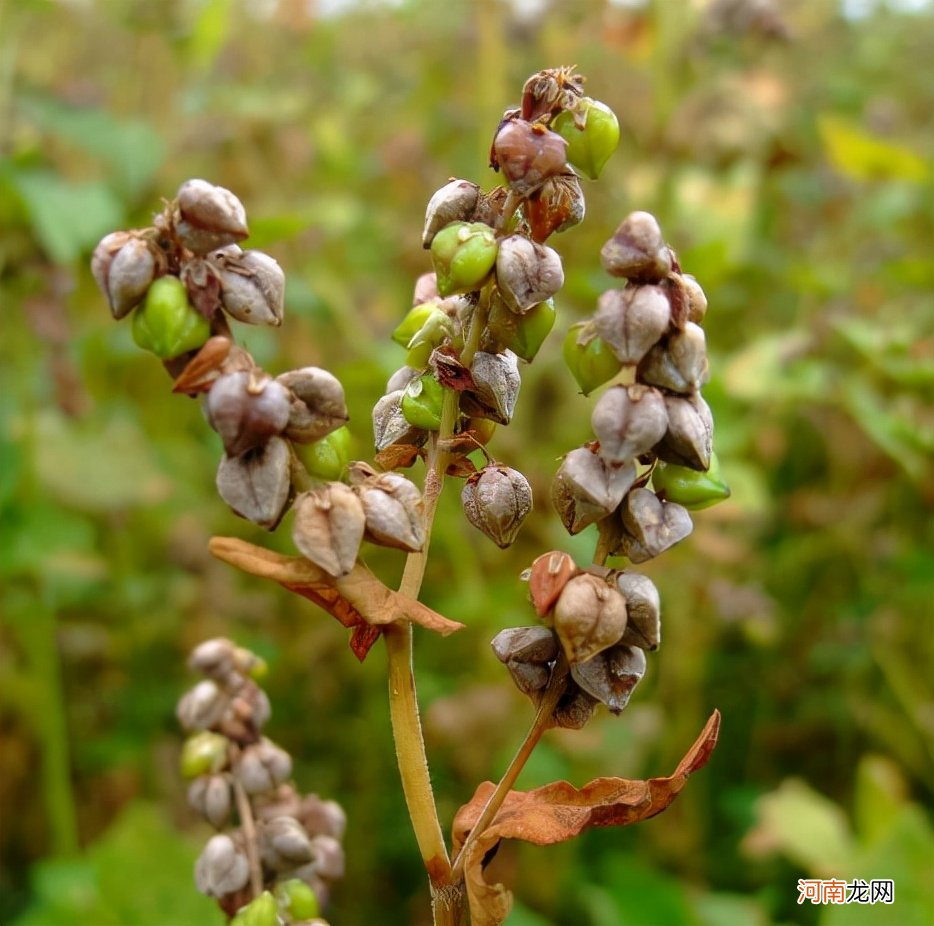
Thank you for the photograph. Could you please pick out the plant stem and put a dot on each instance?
(542, 721)
(245, 812)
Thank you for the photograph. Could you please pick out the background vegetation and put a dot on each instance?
(785, 147)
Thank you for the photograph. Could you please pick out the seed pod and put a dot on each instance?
(689, 438)
(691, 488)
(496, 501)
(696, 297)
(588, 357)
(401, 378)
(527, 272)
(262, 767)
(522, 334)
(632, 320)
(390, 425)
(247, 409)
(547, 576)
(437, 328)
(297, 900)
(262, 910)
(628, 421)
(210, 796)
(208, 217)
(319, 817)
(533, 645)
(203, 753)
(463, 255)
(643, 609)
(328, 527)
(454, 202)
(587, 489)
(678, 363)
(214, 658)
(328, 457)
(202, 706)
(222, 867)
(124, 266)
(651, 526)
(392, 506)
(575, 708)
(527, 677)
(317, 405)
(496, 386)
(426, 289)
(414, 320)
(218, 356)
(421, 403)
(249, 712)
(284, 844)
(637, 250)
(528, 155)
(612, 675)
(589, 617)
(557, 206)
(256, 483)
(252, 288)
(328, 859)
(591, 130)
(166, 323)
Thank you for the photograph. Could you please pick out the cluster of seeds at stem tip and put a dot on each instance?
(651, 461)
(276, 852)
(489, 303)
(285, 438)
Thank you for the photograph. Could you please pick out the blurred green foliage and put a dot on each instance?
(787, 152)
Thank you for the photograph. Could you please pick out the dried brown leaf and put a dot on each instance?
(397, 456)
(358, 600)
(558, 812)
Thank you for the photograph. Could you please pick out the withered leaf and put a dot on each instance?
(358, 600)
(397, 456)
(449, 371)
(558, 812)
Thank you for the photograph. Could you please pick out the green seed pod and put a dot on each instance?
(421, 403)
(592, 135)
(413, 321)
(463, 254)
(690, 488)
(437, 328)
(297, 900)
(166, 323)
(327, 458)
(522, 334)
(589, 357)
(202, 754)
(261, 911)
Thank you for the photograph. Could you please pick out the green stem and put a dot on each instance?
(543, 718)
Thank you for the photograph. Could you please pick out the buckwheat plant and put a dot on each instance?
(477, 319)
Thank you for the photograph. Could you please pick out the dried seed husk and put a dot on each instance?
(496, 386)
(695, 295)
(528, 154)
(651, 526)
(496, 501)
(390, 425)
(246, 409)
(557, 206)
(222, 867)
(689, 438)
(210, 796)
(632, 320)
(124, 265)
(637, 250)
(678, 363)
(218, 356)
(328, 527)
(575, 708)
(256, 484)
(643, 607)
(528, 677)
(628, 421)
(547, 576)
(202, 707)
(284, 844)
(262, 767)
(589, 616)
(208, 217)
(392, 506)
(612, 675)
(454, 202)
(426, 289)
(252, 287)
(587, 489)
(535, 645)
(317, 405)
(527, 272)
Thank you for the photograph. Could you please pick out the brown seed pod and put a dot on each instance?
(589, 616)
(392, 506)
(208, 217)
(628, 421)
(496, 501)
(256, 484)
(527, 272)
(587, 489)
(637, 250)
(632, 320)
(317, 405)
(547, 577)
(689, 438)
(454, 202)
(651, 526)
(611, 676)
(328, 527)
(124, 265)
(643, 607)
(528, 154)
(678, 363)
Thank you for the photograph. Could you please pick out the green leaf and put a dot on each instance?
(862, 156)
(67, 218)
